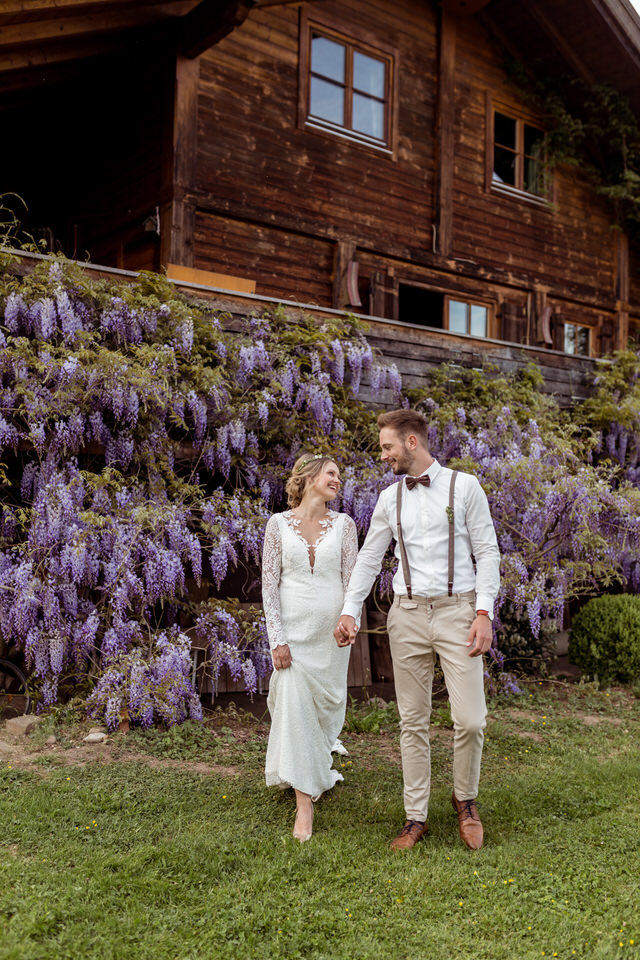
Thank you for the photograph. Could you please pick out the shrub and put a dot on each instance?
(605, 638)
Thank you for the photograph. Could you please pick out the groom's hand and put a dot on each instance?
(480, 636)
(345, 632)
(281, 656)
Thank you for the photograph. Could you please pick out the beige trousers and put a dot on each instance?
(418, 630)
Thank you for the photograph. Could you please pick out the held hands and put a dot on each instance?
(480, 636)
(345, 632)
(281, 656)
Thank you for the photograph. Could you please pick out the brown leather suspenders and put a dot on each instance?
(450, 517)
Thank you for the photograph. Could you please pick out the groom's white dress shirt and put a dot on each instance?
(425, 529)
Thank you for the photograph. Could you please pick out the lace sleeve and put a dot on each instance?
(271, 563)
(349, 550)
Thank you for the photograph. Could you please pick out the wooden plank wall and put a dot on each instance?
(257, 166)
(274, 200)
(568, 245)
(279, 260)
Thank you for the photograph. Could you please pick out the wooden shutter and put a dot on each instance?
(557, 331)
(383, 296)
(513, 322)
(605, 336)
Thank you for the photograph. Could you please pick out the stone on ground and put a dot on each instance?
(21, 726)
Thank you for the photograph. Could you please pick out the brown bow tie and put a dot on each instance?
(412, 482)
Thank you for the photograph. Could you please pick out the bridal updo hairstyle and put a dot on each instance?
(301, 474)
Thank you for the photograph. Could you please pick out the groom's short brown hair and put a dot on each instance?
(405, 422)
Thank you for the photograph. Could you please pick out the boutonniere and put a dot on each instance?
(449, 514)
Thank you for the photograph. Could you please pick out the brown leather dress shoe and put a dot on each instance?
(469, 823)
(412, 831)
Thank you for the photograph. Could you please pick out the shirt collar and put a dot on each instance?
(432, 472)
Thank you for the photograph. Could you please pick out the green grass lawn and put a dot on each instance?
(167, 845)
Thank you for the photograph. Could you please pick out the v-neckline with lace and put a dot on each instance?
(327, 525)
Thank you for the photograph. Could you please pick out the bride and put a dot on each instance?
(309, 553)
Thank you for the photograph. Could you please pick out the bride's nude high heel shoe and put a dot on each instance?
(302, 837)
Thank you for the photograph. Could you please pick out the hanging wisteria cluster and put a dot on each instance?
(144, 441)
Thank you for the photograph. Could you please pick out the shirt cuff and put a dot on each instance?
(353, 610)
(484, 602)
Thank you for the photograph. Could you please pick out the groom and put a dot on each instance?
(444, 591)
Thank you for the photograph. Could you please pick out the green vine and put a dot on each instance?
(592, 127)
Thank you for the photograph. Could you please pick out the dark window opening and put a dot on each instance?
(519, 155)
(419, 305)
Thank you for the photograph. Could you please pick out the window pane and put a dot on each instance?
(457, 316)
(368, 75)
(504, 166)
(368, 116)
(478, 321)
(328, 58)
(534, 172)
(534, 177)
(569, 338)
(504, 130)
(327, 101)
(533, 141)
(583, 341)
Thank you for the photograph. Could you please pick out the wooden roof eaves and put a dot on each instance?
(624, 22)
(208, 23)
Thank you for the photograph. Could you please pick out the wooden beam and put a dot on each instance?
(210, 21)
(624, 22)
(37, 32)
(622, 290)
(445, 132)
(562, 43)
(465, 7)
(24, 11)
(284, 3)
(179, 157)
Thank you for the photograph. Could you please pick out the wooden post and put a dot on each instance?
(622, 291)
(445, 132)
(177, 214)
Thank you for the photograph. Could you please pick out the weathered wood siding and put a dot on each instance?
(567, 245)
(274, 201)
(257, 168)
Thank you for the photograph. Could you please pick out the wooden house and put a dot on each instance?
(369, 155)
(365, 155)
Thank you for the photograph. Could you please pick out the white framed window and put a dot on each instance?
(467, 316)
(346, 85)
(516, 156)
(577, 339)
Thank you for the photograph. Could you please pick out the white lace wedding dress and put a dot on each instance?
(302, 589)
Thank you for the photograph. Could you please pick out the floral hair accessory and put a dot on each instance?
(316, 456)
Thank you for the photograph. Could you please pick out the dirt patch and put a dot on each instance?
(593, 721)
(371, 749)
(522, 715)
(445, 734)
(530, 735)
(191, 766)
(25, 755)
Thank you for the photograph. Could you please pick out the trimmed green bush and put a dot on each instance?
(605, 638)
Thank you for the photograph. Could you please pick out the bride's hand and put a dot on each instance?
(345, 632)
(281, 656)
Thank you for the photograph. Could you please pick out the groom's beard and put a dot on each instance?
(403, 465)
